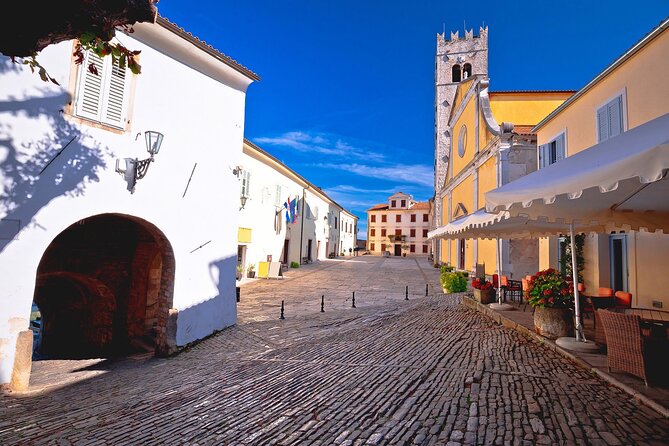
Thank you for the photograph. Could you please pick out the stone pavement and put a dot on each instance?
(426, 371)
(375, 280)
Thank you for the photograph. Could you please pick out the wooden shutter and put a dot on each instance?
(615, 115)
(602, 124)
(91, 88)
(115, 93)
(102, 97)
(559, 147)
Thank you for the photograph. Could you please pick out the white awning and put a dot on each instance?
(483, 225)
(620, 182)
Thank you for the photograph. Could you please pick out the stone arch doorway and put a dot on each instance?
(104, 288)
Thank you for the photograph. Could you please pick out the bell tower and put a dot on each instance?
(457, 59)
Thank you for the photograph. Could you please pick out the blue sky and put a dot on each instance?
(347, 89)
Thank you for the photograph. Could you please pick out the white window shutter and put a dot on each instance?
(114, 99)
(602, 124)
(559, 149)
(544, 158)
(91, 88)
(615, 112)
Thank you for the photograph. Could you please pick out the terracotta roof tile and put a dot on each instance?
(523, 129)
(421, 205)
(378, 207)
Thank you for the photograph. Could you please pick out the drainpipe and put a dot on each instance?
(304, 207)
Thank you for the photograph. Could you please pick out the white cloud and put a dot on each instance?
(323, 143)
(410, 173)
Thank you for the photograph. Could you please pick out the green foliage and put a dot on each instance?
(446, 269)
(453, 282)
(120, 55)
(565, 258)
(549, 289)
(294, 265)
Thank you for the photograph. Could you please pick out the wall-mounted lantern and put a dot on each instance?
(136, 169)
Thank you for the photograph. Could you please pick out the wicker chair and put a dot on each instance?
(601, 303)
(625, 346)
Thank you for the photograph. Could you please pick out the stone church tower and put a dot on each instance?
(456, 59)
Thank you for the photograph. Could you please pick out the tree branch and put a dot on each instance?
(57, 21)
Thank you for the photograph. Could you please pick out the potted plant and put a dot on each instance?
(552, 298)
(240, 271)
(453, 282)
(405, 249)
(251, 271)
(483, 291)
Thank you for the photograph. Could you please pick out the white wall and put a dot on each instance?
(259, 213)
(203, 122)
(347, 235)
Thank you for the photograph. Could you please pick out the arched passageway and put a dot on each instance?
(104, 288)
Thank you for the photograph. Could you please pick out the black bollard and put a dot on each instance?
(353, 306)
(426, 290)
(282, 317)
(323, 304)
(406, 293)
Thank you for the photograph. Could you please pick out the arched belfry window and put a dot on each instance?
(456, 73)
(467, 71)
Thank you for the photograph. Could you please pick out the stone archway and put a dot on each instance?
(104, 288)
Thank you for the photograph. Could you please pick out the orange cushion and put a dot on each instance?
(605, 292)
(623, 299)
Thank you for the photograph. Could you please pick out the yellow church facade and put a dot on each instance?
(482, 141)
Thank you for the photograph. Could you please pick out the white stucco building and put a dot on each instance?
(284, 217)
(110, 270)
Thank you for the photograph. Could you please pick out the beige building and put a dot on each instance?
(399, 226)
(623, 97)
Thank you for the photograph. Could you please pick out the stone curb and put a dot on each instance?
(508, 323)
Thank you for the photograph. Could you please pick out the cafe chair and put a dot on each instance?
(623, 299)
(511, 287)
(625, 346)
(604, 292)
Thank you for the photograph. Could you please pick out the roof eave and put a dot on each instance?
(618, 62)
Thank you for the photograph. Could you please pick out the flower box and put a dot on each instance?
(484, 296)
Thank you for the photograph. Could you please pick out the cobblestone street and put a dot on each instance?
(391, 371)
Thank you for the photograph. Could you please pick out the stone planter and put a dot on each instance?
(484, 296)
(553, 323)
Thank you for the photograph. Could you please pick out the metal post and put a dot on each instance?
(406, 293)
(353, 305)
(323, 303)
(499, 271)
(282, 317)
(426, 290)
(574, 271)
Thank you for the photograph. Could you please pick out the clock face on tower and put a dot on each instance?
(462, 141)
